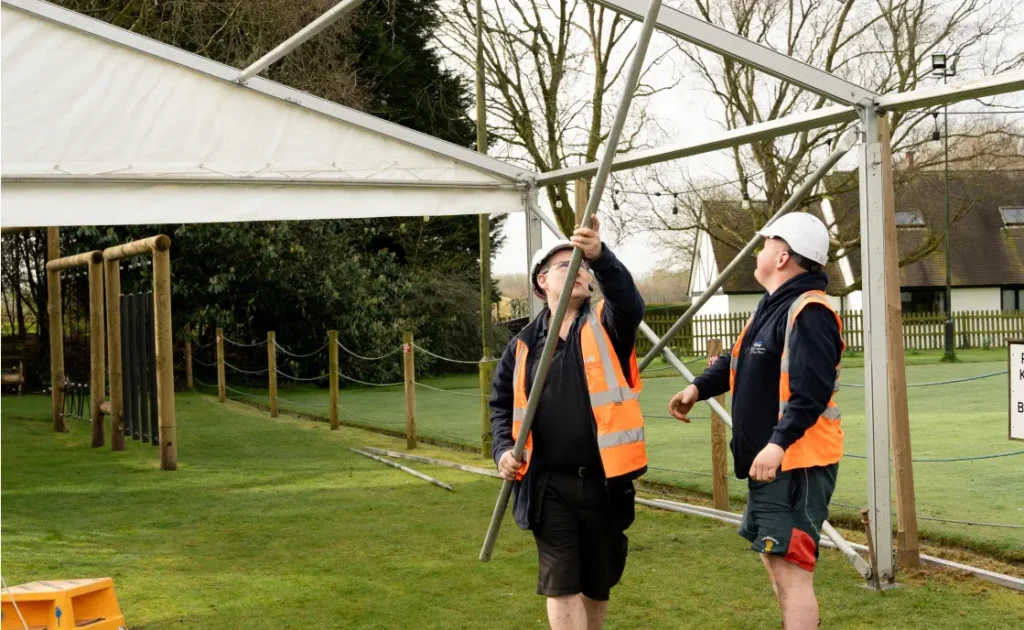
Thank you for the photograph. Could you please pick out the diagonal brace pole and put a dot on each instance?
(309, 31)
(845, 144)
(859, 563)
(604, 170)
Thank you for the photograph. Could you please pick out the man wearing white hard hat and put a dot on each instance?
(783, 372)
(574, 486)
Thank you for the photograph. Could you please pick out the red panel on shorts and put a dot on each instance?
(801, 550)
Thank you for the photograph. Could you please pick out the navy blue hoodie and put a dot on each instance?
(815, 349)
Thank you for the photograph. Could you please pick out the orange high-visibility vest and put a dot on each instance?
(822, 444)
(615, 403)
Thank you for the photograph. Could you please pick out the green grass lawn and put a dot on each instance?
(275, 524)
(959, 420)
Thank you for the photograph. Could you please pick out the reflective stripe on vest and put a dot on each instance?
(615, 404)
(822, 443)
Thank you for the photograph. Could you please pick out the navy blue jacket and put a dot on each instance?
(815, 348)
(621, 316)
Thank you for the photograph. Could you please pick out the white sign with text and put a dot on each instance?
(1016, 390)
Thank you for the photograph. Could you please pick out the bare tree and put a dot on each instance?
(885, 45)
(554, 68)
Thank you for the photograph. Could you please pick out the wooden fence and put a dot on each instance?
(921, 331)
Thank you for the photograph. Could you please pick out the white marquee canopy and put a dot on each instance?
(101, 126)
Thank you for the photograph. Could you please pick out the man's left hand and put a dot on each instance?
(588, 239)
(767, 463)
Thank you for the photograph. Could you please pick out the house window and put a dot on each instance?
(1012, 216)
(923, 300)
(909, 218)
(1013, 298)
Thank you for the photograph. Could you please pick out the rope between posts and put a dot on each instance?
(437, 356)
(204, 345)
(355, 380)
(671, 367)
(359, 356)
(298, 378)
(447, 391)
(933, 460)
(243, 345)
(213, 364)
(240, 393)
(369, 420)
(931, 383)
(299, 356)
(690, 472)
(253, 372)
(943, 520)
(297, 403)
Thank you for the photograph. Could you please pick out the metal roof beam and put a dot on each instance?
(741, 49)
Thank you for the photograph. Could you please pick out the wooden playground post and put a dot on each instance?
(908, 549)
(56, 325)
(222, 393)
(97, 363)
(161, 246)
(486, 381)
(272, 371)
(719, 461)
(409, 368)
(115, 371)
(332, 353)
(188, 358)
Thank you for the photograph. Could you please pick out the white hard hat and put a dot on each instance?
(540, 258)
(805, 234)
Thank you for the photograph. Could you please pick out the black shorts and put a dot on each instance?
(581, 546)
(784, 517)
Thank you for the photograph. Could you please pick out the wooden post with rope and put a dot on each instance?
(188, 358)
(719, 444)
(332, 352)
(272, 371)
(582, 189)
(56, 325)
(409, 368)
(908, 550)
(222, 393)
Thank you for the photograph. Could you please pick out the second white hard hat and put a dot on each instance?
(805, 233)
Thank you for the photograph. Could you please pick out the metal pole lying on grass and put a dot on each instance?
(414, 473)
(603, 171)
(843, 147)
(859, 564)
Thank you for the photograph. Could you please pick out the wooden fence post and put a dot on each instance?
(719, 461)
(272, 371)
(332, 352)
(899, 416)
(188, 358)
(409, 366)
(97, 353)
(222, 392)
(486, 379)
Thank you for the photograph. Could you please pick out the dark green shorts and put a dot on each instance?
(784, 517)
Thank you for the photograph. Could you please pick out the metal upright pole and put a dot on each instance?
(603, 171)
(876, 373)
